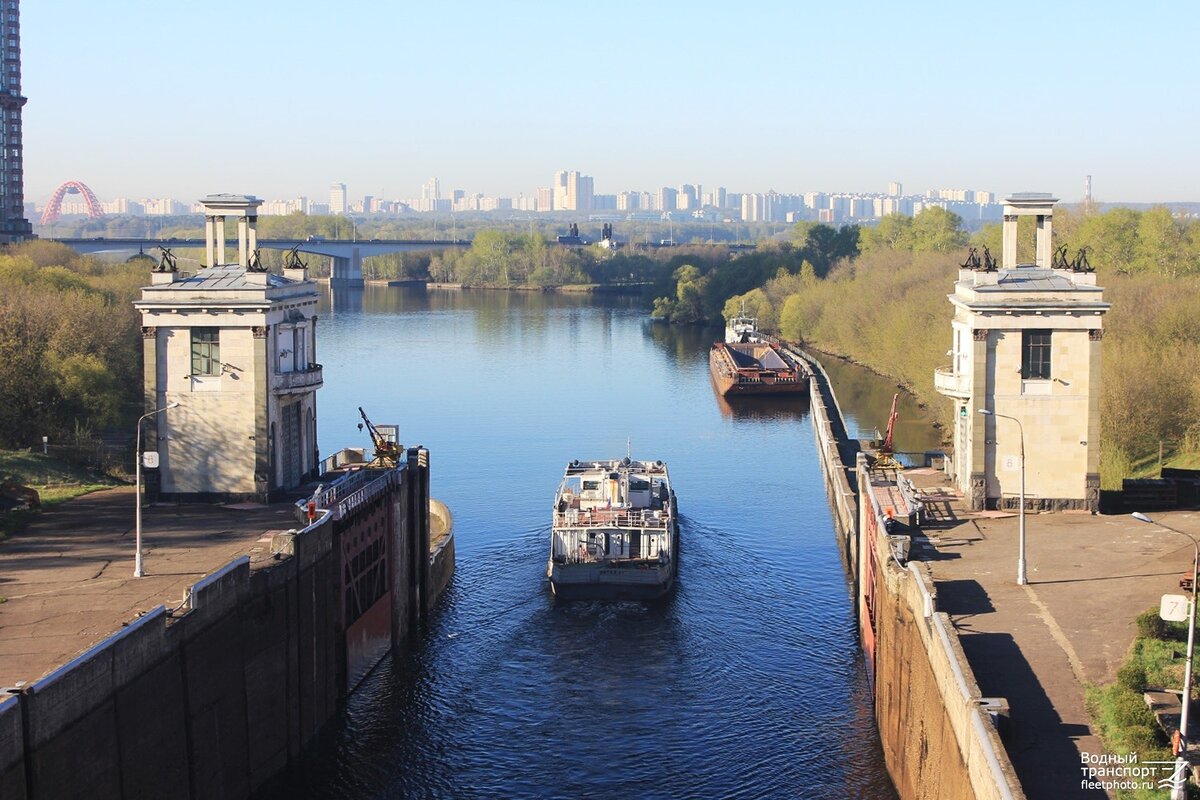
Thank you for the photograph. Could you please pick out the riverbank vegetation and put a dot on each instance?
(884, 305)
(54, 480)
(1123, 720)
(69, 343)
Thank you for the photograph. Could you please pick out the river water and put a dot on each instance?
(747, 682)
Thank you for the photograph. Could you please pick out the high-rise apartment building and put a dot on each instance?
(668, 199)
(895, 189)
(337, 199)
(580, 190)
(13, 225)
(431, 190)
(572, 191)
(688, 198)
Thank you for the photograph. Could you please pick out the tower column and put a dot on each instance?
(252, 231)
(976, 488)
(1045, 224)
(243, 237)
(1009, 249)
(210, 241)
(220, 241)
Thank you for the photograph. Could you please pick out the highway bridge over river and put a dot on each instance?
(346, 254)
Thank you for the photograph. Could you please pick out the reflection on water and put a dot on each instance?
(686, 344)
(866, 400)
(747, 407)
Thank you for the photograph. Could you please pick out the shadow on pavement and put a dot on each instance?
(960, 598)
(1048, 766)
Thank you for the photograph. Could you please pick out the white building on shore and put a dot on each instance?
(1026, 349)
(235, 347)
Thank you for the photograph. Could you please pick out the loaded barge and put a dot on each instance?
(615, 534)
(748, 363)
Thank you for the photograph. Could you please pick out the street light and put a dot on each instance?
(137, 559)
(1177, 787)
(1021, 577)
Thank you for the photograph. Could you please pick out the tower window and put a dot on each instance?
(206, 351)
(1035, 355)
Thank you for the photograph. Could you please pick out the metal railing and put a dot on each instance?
(349, 491)
(611, 517)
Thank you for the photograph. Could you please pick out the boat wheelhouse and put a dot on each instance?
(615, 533)
(741, 329)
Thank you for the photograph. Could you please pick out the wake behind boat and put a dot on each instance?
(615, 534)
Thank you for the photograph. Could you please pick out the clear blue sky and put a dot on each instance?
(151, 98)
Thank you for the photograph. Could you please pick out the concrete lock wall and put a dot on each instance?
(212, 703)
(829, 429)
(938, 739)
(216, 698)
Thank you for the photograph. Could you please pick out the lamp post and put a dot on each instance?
(1177, 786)
(1021, 576)
(137, 558)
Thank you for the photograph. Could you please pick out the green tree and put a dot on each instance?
(1111, 240)
(792, 320)
(936, 230)
(894, 232)
(1161, 244)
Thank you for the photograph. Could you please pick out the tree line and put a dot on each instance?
(884, 305)
(69, 343)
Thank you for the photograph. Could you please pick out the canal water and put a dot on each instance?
(747, 682)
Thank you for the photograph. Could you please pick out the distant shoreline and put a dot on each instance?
(577, 288)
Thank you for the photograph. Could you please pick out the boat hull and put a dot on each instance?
(580, 583)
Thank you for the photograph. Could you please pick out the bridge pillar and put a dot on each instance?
(346, 270)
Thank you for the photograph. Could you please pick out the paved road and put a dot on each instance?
(1040, 644)
(68, 579)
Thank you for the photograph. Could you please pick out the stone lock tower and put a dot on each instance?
(235, 347)
(1026, 347)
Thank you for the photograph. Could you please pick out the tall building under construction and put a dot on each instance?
(13, 225)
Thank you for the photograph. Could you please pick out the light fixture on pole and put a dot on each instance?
(137, 558)
(1022, 579)
(1177, 786)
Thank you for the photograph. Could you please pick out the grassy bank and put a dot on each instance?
(54, 480)
(1123, 721)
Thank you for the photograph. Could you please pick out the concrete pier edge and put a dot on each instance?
(956, 706)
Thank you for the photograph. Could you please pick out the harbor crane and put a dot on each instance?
(886, 458)
(386, 439)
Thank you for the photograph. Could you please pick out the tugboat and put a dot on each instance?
(616, 533)
(749, 363)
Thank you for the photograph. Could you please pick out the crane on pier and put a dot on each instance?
(886, 458)
(386, 439)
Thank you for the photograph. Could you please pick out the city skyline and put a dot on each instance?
(1019, 97)
(571, 192)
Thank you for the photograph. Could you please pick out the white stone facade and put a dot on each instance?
(1026, 347)
(236, 349)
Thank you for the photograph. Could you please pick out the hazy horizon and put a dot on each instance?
(283, 99)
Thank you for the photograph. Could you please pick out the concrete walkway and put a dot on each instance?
(67, 581)
(1039, 645)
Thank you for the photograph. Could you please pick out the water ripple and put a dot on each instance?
(746, 682)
